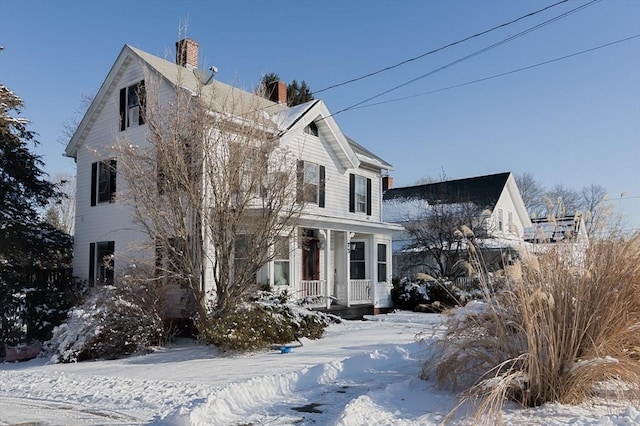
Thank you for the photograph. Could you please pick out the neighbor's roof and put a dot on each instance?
(484, 191)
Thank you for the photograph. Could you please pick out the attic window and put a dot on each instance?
(132, 101)
(311, 129)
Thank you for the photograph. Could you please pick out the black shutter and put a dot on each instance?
(112, 182)
(92, 264)
(352, 192)
(142, 101)
(123, 108)
(368, 197)
(321, 188)
(300, 179)
(94, 182)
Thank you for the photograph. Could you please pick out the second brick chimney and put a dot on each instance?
(387, 182)
(277, 92)
(187, 53)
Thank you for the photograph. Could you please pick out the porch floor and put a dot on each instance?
(353, 312)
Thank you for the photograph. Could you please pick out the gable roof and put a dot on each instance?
(280, 117)
(215, 92)
(483, 191)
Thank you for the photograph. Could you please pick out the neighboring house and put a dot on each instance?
(494, 200)
(346, 255)
(566, 235)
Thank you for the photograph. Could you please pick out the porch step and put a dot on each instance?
(356, 312)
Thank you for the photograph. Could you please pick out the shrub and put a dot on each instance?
(268, 320)
(423, 290)
(110, 324)
(555, 335)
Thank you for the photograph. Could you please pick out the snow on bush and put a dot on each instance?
(268, 320)
(108, 325)
(424, 290)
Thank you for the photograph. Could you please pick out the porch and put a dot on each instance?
(316, 294)
(334, 270)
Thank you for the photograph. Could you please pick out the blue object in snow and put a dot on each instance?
(285, 349)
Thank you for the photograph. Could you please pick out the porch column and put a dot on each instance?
(325, 234)
(349, 235)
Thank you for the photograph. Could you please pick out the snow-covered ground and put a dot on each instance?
(360, 373)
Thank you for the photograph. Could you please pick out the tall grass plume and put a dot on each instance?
(558, 333)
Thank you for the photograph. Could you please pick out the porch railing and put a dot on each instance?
(359, 291)
(312, 290)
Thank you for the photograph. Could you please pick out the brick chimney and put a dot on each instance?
(187, 53)
(277, 92)
(387, 183)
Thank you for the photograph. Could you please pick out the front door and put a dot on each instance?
(310, 257)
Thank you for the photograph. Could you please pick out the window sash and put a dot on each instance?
(357, 264)
(382, 262)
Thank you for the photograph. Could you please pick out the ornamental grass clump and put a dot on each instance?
(565, 331)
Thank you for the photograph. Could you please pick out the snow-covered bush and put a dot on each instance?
(268, 320)
(423, 290)
(108, 325)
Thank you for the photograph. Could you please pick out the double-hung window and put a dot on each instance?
(101, 263)
(132, 102)
(281, 261)
(103, 182)
(311, 183)
(382, 263)
(359, 194)
(357, 261)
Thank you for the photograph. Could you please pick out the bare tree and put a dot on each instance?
(70, 125)
(212, 188)
(61, 213)
(531, 191)
(438, 235)
(562, 201)
(598, 210)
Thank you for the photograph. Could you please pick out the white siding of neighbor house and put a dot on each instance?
(508, 203)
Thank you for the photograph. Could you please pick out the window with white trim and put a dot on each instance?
(132, 102)
(357, 264)
(281, 261)
(103, 182)
(101, 263)
(311, 183)
(382, 263)
(359, 194)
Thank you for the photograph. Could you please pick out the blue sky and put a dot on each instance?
(572, 122)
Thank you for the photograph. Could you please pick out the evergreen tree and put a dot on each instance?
(298, 94)
(28, 246)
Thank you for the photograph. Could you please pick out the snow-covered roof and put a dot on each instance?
(222, 97)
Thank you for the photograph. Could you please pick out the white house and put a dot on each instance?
(495, 198)
(347, 257)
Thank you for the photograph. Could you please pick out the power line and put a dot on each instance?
(439, 48)
(479, 52)
(501, 74)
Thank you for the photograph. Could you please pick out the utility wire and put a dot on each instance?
(432, 51)
(479, 52)
(439, 48)
(501, 74)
